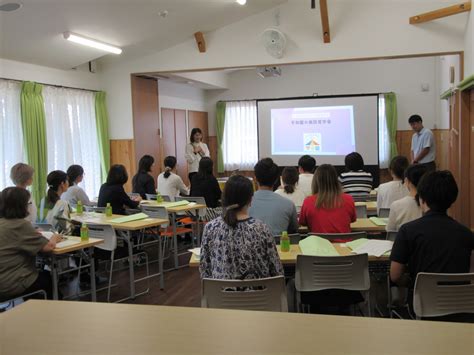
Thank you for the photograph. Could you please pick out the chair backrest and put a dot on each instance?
(155, 212)
(384, 212)
(361, 211)
(316, 273)
(442, 294)
(198, 200)
(151, 196)
(294, 238)
(43, 226)
(391, 236)
(267, 294)
(336, 236)
(105, 232)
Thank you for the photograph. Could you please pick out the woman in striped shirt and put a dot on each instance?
(355, 181)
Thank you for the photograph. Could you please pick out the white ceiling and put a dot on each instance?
(33, 34)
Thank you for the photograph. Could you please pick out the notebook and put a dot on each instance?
(379, 221)
(317, 246)
(131, 218)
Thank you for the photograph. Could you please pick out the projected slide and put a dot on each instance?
(327, 130)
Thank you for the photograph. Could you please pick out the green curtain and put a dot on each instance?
(102, 123)
(220, 123)
(34, 136)
(392, 121)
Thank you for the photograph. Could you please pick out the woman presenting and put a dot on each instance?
(195, 151)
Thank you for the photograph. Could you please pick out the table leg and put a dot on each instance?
(128, 239)
(160, 263)
(54, 274)
(175, 240)
(92, 272)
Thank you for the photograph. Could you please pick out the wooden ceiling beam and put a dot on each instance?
(444, 12)
(200, 41)
(323, 5)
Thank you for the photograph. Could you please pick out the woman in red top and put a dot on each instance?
(328, 210)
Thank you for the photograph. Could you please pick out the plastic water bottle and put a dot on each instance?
(108, 210)
(159, 198)
(84, 232)
(79, 207)
(284, 242)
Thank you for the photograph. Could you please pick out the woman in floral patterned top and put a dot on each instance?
(236, 246)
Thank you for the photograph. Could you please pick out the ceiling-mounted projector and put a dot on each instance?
(268, 72)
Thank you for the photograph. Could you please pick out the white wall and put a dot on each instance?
(469, 47)
(402, 76)
(443, 65)
(81, 79)
(360, 29)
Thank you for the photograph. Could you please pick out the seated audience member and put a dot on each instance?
(435, 242)
(393, 190)
(306, 167)
(355, 181)
(290, 188)
(328, 210)
(143, 183)
(113, 192)
(59, 212)
(19, 245)
(75, 193)
(238, 246)
(277, 212)
(204, 184)
(407, 208)
(22, 176)
(169, 183)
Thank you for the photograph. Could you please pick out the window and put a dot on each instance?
(72, 133)
(240, 143)
(384, 137)
(11, 133)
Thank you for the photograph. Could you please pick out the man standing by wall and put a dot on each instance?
(423, 149)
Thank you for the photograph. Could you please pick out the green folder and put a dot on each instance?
(174, 204)
(317, 246)
(379, 221)
(131, 218)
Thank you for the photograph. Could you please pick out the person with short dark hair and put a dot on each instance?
(407, 208)
(306, 167)
(237, 246)
(75, 193)
(394, 190)
(290, 187)
(276, 211)
(328, 209)
(58, 211)
(143, 183)
(22, 176)
(204, 184)
(355, 181)
(423, 149)
(195, 150)
(169, 182)
(113, 192)
(435, 242)
(19, 245)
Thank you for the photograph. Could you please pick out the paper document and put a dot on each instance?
(379, 221)
(356, 243)
(131, 218)
(66, 243)
(317, 246)
(374, 247)
(195, 251)
(47, 235)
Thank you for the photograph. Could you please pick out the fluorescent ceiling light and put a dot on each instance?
(91, 43)
(241, 2)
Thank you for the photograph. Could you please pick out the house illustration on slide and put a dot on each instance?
(313, 144)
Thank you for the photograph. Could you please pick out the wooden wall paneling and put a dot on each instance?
(463, 102)
(471, 167)
(181, 141)
(404, 143)
(199, 119)
(146, 119)
(212, 144)
(122, 151)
